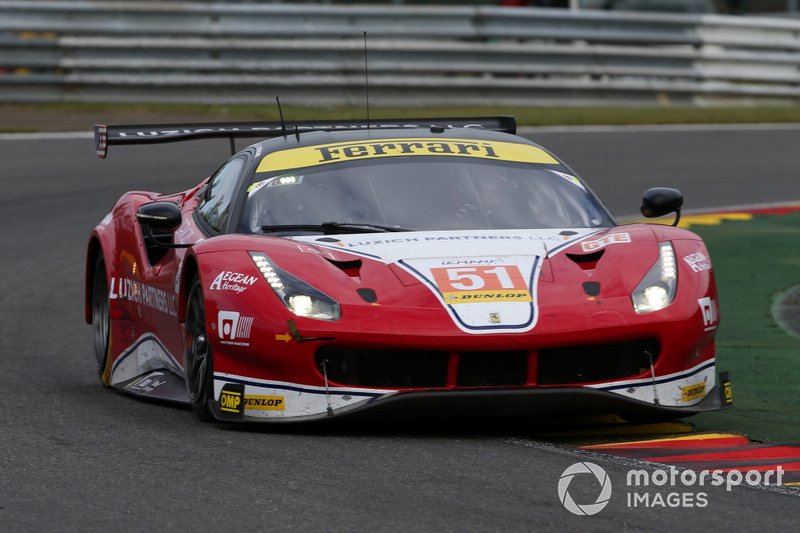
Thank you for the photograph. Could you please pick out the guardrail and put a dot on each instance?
(313, 54)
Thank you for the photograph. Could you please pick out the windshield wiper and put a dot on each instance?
(332, 228)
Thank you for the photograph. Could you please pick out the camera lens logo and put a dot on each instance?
(602, 498)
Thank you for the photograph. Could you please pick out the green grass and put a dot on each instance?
(16, 114)
(753, 261)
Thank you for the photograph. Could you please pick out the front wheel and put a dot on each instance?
(198, 361)
(101, 320)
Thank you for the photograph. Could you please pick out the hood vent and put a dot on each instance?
(351, 268)
(587, 261)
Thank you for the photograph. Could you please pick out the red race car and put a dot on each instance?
(431, 267)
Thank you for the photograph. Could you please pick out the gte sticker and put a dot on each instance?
(232, 282)
(264, 403)
(698, 262)
(233, 328)
(710, 313)
(614, 238)
(467, 285)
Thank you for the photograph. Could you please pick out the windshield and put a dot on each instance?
(422, 193)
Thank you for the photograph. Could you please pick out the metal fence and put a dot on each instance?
(313, 54)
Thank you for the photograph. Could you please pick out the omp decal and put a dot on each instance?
(299, 401)
(698, 262)
(264, 403)
(487, 280)
(232, 282)
(613, 238)
(231, 401)
(693, 391)
(146, 354)
(233, 328)
(710, 312)
(668, 388)
(143, 294)
(337, 152)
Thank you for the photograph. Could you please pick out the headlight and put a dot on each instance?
(298, 296)
(657, 289)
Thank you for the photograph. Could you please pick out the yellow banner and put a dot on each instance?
(476, 297)
(693, 392)
(323, 154)
(264, 403)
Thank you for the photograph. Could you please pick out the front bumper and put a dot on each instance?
(487, 403)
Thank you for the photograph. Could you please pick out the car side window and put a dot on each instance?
(217, 203)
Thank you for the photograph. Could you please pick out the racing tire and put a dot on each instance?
(198, 362)
(101, 320)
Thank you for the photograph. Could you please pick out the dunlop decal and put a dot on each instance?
(264, 403)
(339, 152)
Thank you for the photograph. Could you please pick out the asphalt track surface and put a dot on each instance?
(75, 456)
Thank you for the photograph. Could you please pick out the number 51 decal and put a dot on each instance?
(478, 284)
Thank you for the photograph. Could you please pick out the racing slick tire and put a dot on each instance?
(197, 355)
(101, 320)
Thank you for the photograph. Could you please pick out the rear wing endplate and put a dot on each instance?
(105, 136)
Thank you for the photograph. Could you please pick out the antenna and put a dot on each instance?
(366, 76)
(283, 122)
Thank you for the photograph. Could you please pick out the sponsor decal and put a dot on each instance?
(264, 403)
(148, 383)
(232, 282)
(230, 399)
(710, 312)
(233, 328)
(143, 294)
(727, 391)
(465, 285)
(380, 148)
(614, 238)
(698, 262)
(572, 179)
(693, 392)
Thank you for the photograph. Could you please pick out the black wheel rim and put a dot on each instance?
(100, 315)
(197, 348)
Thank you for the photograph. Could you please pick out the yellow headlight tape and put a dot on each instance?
(323, 154)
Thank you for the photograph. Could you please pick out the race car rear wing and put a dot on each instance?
(105, 136)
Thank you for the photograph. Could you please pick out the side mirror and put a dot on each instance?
(160, 216)
(661, 201)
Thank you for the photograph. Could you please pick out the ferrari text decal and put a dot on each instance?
(233, 328)
(232, 281)
(142, 294)
(336, 153)
(698, 262)
(614, 238)
(464, 285)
